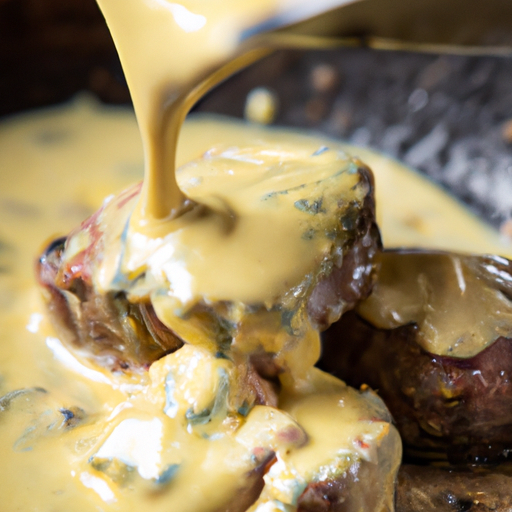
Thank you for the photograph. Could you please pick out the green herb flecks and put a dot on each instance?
(310, 207)
(244, 409)
(198, 418)
(72, 416)
(309, 234)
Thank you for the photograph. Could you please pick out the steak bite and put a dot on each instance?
(327, 448)
(435, 339)
(124, 316)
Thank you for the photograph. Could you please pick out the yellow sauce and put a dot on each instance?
(412, 211)
(172, 53)
(48, 464)
(255, 215)
(452, 298)
(118, 411)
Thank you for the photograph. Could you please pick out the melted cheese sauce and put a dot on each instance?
(455, 300)
(293, 183)
(182, 436)
(172, 53)
(93, 441)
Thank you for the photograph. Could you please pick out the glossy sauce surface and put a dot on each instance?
(172, 53)
(30, 357)
(81, 417)
(260, 218)
(460, 303)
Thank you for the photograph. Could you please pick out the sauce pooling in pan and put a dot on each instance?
(35, 208)
(187, 317)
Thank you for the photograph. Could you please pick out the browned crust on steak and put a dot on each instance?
(459, 408)
(352, 282)
(114, 332)
(348, 493)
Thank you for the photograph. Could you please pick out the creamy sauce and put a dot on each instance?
(293, 183)
(460, 303)
(102, 147)
(412, 211)
(172, 53)
(255, 216)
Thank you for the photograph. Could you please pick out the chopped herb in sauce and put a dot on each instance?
(311, 207)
